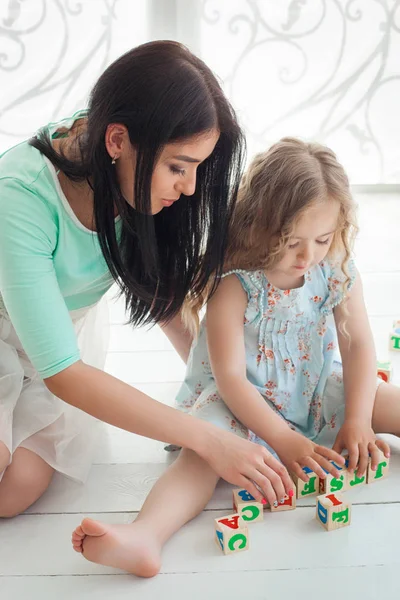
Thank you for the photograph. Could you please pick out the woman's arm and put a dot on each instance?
(236, 460)
(179, 336)
(358, 355)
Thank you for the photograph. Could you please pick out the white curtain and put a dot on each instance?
(319, 69)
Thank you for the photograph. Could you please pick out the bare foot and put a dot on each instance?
(128, 547)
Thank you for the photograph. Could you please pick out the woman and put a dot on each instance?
(90, 201)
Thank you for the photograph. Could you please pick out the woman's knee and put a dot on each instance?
(4, 457)
(24, 482)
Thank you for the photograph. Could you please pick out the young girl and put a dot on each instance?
(263, 365)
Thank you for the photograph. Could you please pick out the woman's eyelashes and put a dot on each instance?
(176, 170)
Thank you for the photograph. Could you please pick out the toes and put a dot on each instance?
(93, 528)
(78, 532)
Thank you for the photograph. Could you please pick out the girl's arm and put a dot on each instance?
(359, 379)
(179, 336)
(358, 354)
(225, 336)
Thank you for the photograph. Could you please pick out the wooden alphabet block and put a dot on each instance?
(333, 511)
(306, 489)
(288, 504)
(381, 471)
(394, 338)
(231, 534)
(245, 505)
(331, 484)
(352, 479)
(384, 370)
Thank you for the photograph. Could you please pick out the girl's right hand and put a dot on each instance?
(296, 451)
(247, 465)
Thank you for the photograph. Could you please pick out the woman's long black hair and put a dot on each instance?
(162, 93)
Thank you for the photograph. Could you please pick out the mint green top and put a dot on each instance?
(50, 264)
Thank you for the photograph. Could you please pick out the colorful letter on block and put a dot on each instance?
(231, 534)
(381, 471)
(352, 479)
(331, 484)
(247, 507)
(384, 370)
(332, 511)
(288, 504)
(306, 489)
(394, 338)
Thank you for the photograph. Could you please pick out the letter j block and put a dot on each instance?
(381, 471)
(231, 534)
(332, 511)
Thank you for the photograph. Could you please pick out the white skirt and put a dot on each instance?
(32, 417)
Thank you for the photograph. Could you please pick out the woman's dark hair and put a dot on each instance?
(162, 93)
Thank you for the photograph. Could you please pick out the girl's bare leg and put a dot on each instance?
(386, 414)
(178, 496)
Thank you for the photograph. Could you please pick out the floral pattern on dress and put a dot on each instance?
(289, 346)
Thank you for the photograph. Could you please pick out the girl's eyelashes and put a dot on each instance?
(323, 243)
(176, 170)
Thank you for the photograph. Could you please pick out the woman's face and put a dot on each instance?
(174, 173)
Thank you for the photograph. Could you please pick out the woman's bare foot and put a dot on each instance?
(131, 547)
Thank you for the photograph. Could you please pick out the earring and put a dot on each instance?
(114, 160)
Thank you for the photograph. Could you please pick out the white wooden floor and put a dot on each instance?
(290, 556)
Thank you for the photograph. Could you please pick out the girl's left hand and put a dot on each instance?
(360, 441)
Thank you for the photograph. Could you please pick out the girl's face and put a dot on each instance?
(174, 173)
(311, 239)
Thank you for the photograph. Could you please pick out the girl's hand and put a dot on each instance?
(247, 465)
(360, 441)
(297, 451)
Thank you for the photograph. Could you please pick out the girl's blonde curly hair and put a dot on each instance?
(278, 187)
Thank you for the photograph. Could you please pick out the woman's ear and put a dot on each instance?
(116, 140)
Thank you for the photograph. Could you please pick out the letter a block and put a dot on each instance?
(288, 504)
(231, 534)
(245, 505)
(304, 489)
(331, 484)
(332, 511)
(381, 471)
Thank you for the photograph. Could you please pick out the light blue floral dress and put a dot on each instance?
(291, 353)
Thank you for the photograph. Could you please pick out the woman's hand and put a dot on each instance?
(360, 441)
(247, 465)
(297, 451)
